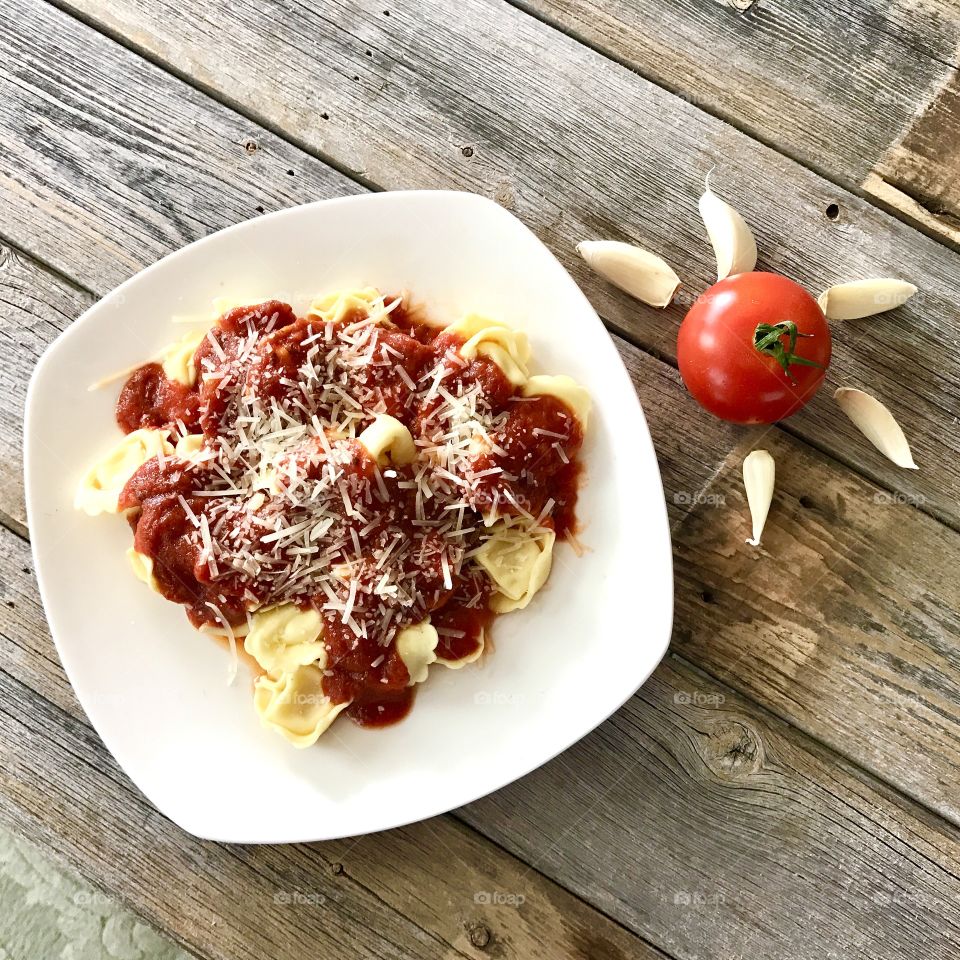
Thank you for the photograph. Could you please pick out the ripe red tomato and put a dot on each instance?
(754, 348)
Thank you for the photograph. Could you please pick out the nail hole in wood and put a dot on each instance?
(356, 78)
(706, 596)
(807, 502)
(369, 53)
(833, 211)
(290, 173)
(467, 151)
(259, 209)
(251, 146)
(10, 603)
(386, 13)
(325, 116)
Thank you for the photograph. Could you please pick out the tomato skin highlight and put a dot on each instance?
(720, 364)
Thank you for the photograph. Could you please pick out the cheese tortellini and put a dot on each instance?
(417, 646)
(565, 389)
(334, 307)
(509, 349)
(287, 642)
(517, 559)
(100, 489)
(471, 657)
(189, 446)
(284, 637)
(295, 706)
(388, 441)
(142, 567)
(177, 361)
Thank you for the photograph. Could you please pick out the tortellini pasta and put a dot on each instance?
(142, 567)
(336, 306)
(417, 647)
(189, 446)
(294, 705)
(517, 559)
(100, 489)
(563, 388)
(509, 349)
(285, 637)
(388, 441)
(469, 658)
(178, 363)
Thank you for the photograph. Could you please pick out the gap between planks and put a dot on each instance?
(874, 190)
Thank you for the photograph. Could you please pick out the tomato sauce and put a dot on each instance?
(151, 400)
(528, 465)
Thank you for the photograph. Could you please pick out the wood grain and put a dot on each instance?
(923, 164)
(691, 817)
(833, 85)
(712, 829)
(34, 307)
(429, 890)
(690, 457)
(846, 621)
(476, 95)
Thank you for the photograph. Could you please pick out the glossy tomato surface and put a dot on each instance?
(725, 369)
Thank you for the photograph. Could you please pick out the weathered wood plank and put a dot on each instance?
(427, 96)
(710, 828)
(430, 890)
(833, 85)
(691, 817)
(922, 166)
(179, 166)
(847, 621)
(34, 307)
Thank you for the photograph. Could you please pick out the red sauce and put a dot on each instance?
(151, 400)
(266, 353)
(461, 627)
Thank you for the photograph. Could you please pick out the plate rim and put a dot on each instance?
(664, 549)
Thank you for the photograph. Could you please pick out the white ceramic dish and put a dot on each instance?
(156, 691)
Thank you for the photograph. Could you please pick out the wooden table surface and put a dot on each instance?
(785, 785)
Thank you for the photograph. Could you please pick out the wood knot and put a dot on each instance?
(732, 750)
(504, 195)
(479, 934)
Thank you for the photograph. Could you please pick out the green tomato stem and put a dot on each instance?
(768, 339)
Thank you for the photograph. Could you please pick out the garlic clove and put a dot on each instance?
(733, 243)
(759, 472)
(877, 424)
(864, 298)
(642, 274)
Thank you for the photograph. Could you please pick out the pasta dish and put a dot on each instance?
(344, 498)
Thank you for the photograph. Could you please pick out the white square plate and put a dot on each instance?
(155, 690)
